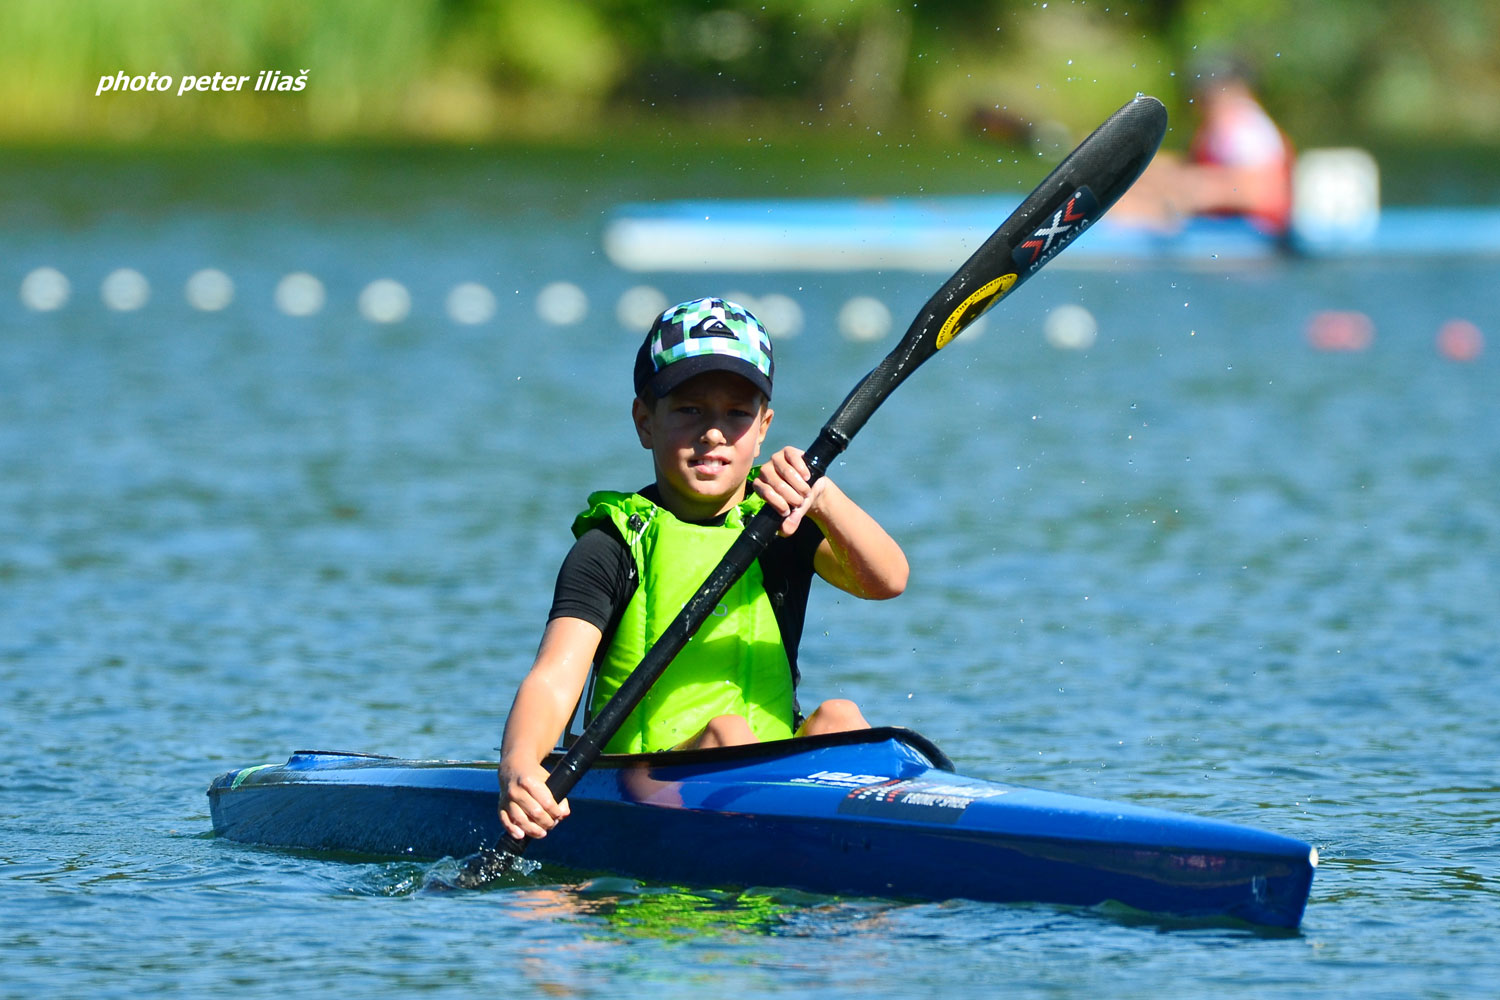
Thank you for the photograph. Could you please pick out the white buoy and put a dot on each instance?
(1071, 328)
(638, 308)
(385, 301)
(562, 303)
(45, 289)
(471, 304)
(209, 290)
(781, 314)
(299, 294)
(974, 330)
(741, 297)
(864, 319)
(125, 290)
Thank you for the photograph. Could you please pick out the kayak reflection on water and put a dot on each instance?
(632, 909)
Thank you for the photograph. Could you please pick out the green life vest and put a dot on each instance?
(735, 663)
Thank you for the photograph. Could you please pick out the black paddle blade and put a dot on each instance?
(1069, 200)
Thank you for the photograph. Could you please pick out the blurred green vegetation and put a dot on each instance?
(1376, 72)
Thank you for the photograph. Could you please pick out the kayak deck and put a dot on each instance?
(874, 813)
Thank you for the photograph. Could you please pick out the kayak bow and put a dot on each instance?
(873, 813)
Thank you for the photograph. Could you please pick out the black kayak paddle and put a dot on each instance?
(1068, 201)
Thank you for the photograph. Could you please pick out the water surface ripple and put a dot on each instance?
(1200, 565)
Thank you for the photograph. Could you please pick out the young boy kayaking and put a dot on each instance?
(702, 408)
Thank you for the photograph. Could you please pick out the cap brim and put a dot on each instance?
(674, 375)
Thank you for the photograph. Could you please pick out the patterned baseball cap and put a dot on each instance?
(700, 336)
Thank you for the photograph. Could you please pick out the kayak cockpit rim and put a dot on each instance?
(777, 748)
(725, 755)
(343, 753)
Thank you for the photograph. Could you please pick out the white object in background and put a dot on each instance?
(562, 303)
(209, 290)
(385, 300)
(45, 289)
(125, 290)
(471, 304)
(1071, 328)
(781, 315)
(864, 319)
(299, 294)
(1335, 197)
(638, 308)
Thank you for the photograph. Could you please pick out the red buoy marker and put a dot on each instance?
(1340, 330)
(1460, 340)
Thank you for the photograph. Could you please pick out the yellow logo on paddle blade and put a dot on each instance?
(974, 307)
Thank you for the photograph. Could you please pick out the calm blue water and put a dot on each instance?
(1200, 565)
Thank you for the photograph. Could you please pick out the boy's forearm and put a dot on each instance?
(536, 720)
(550, 691)
(530, 723)
(865, 559)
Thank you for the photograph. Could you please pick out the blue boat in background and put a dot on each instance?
(1336, 213)
(873, 813)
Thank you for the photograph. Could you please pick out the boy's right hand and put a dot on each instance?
(527, 808)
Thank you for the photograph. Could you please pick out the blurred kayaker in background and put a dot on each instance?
(1239, 162)
(702, 408)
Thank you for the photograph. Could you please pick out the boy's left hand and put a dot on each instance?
(782, 482)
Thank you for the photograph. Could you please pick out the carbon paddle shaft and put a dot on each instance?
(1066, 203)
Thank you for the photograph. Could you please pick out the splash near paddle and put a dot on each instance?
(1075, 194)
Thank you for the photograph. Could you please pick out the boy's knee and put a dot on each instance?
(836, 715)
(726, 731)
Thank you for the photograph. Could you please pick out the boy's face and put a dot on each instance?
(704, 437)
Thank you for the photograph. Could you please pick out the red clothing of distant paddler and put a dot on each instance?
(1246, 160)
(1239, 163)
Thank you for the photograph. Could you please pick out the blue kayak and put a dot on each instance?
(934, 235)
(875, 813)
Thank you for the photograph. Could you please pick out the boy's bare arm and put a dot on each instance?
(543, 705)
(856, 554)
